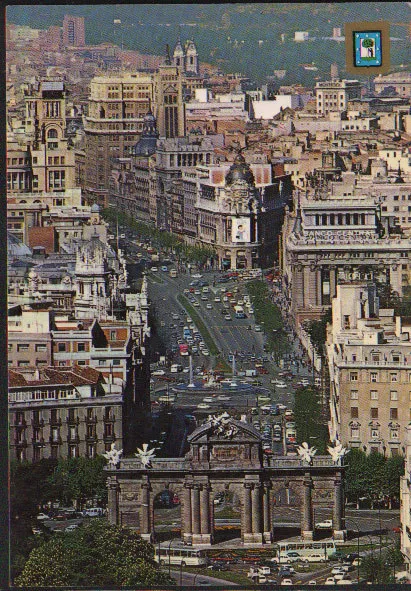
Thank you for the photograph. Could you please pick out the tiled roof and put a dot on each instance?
(76, 376)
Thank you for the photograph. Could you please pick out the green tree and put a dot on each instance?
(309, 423)
(393, 470)
(317, 331)
(368, 43)
(75, 480)
(95, 554)
(355, 482)
(376, 569)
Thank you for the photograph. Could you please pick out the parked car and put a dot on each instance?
(326, 524)
(330, 581)
(42, 516)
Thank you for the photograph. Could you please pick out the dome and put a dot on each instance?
(95, 208)
(147, 144)
(191, 48)
(240, 171)
(178, 50)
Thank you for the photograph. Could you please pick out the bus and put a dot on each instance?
(179, 555)
(305, 551)
(183, 349)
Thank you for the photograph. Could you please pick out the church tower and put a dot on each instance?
(168, 100)
(191, 58)
(92, 280)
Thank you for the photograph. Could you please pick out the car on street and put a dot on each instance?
(286, 582)
(197, 276)
(330, 581)
(154, 269)
(203, 405)
(227, 317)
(196, 304)
(344, 582)
(339, 576)
(158, 372)
(337, 570)
(71, 527)
(42, 516)
(209, 307)
(326, 524)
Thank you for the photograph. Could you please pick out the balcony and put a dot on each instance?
(109, 418)
(371, 363)
(91, 420)
(55, 440)
(39, 442)
(72, 420)
(75, 439)
(55, 422)
(109, 437)
(37, 423)
(20, 442)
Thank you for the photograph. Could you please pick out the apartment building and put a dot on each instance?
(62, 412)
(369, 361)
(335, 94)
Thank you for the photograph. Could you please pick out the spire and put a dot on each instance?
(168, 58)
(399, 178)
(298, 224)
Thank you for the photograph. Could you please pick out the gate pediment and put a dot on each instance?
(222, 440)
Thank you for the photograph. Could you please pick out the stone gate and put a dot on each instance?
(226, 456)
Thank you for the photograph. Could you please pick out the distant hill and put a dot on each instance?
(242, 38)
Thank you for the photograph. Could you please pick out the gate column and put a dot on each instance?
(145, 511)
(112, 486)
(307, 515)
(206, 537)
(266, 515)
(247, 524)
(195, 514)
(338, 510)
(186, 514)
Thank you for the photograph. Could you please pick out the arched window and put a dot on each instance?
(52, 133)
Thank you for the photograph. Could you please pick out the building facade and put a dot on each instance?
(334, 95)
(62, 412)
(369, 360)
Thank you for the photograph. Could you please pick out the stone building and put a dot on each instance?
(62, 412)
(334, 95)
(399, 82)
(117, 107)
(333, 239)
(226, 457)
(369, 360)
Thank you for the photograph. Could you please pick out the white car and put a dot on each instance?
(209, 307)
(223, 397)
(206, 352)
(344, 582)
(312, 582)
(279, 384)
(208, 399)
(330, 581)
(203, 405)
(337, 570)
(286, 582)
(42, 516)
(196, 304)
(339, 576)
(196, 276)
(154, 269)
(71, 527)
(158, 372)
(217, 299)
(326, 524)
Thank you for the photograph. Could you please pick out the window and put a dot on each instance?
(374, 413)
(374, 376)
(22, 347)
(54, 435)
(354, 412)
(116, 361)
(72, 451)
(353, 376)
(374, 395)
(90, 451)
(393, 395)
(394, 377)
(81, 347)
(355, 433)
(61, 347)
(394, 434)
(40, 348)
(394, 413)
(354, 394)
(375, 433)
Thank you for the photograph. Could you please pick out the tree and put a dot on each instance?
(355, 474)
(317, 331)
(393, 470)
(78, 479)
(96, 554)
(309, 424)
(376, 569)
